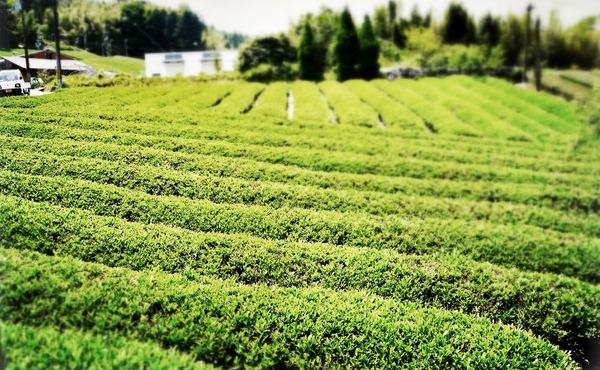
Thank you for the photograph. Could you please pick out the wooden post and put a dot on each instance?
(538, 47)
(57, 35)
(527, 21)
(27, 71)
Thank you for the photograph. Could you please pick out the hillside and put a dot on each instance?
(439, 223)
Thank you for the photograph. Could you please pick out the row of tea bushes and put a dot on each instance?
(232, 325)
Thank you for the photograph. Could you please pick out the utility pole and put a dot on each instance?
(19, 7)
(538, 67)
(3, 25)
(527, 21)
(57, 33)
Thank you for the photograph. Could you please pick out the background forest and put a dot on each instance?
(132, 28)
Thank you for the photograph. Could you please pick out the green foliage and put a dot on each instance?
(458, 27)
(241, 100)
(26, 347)
(348, 108)
(346, 48)
(254, 241)
(256, 326)
(390, 54)
(308, 102)
(566, 305)
(268, 73)
(425, 42)
(512, 40)
(469, 112)
(273, 101)
(555, 44)
(310, 63)
(556, 115)
(323, 25)
(578, 256)
(585, 44)
(489, 31)
(437, 116)
(381, 23)
(559, 197)
(368, 66)
(273, 51)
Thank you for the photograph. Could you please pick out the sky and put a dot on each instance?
(262, 17)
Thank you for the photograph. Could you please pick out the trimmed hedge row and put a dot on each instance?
(562, 310)
(196, 99)
(254, 326)
(314, 136)
(500, 112)
(471, 113)
(161, 181)
(241, 100)
(521, 246)
(103, 105)
(349, 109)
(427, 147)
(308, 102)
(27, 348)
(551, 196)
(273, 101)
(323, 160)
(188, 139)
(521, 101)
(436, 118)
(547, 102)
(394, 113)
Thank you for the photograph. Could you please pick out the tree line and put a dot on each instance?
(276, 57)
(130, 27)
(328, 41)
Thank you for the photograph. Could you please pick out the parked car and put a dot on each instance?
(13, 83)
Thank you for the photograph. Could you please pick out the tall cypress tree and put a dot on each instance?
(346, 48)
(309, 56)
(456, 28)
(369, 51)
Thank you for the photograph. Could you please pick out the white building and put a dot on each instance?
(190, 63)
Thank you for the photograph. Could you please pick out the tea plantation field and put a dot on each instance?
(441, 223)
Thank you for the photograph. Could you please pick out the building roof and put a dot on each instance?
(47, 64)
(43, 54)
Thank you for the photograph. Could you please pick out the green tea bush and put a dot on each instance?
(393, 112)
(273, 101)
(520, 246)
(160, 181)
(241, 100)
(25, 347)
(437, 118)
(551, 196)
(256, 326)
(559, 309)
(308, 102)
(347, 107)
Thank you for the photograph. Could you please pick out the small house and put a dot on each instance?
(190, 63)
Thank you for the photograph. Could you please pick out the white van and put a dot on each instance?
(13, 83)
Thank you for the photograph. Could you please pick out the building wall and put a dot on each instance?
(189, 63)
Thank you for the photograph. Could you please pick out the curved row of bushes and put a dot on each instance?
(520, 246)
(546, 195)
(562, 310)
(25, 347)
(254, 326)
(161, 181)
